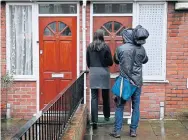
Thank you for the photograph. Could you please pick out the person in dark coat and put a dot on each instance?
(130, 56)
(99, 59)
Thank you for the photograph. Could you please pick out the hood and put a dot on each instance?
(140, 35)
(128, 36)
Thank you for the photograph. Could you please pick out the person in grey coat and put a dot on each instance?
(130, 56)
(99, 59)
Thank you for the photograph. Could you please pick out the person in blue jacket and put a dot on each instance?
(130, 56)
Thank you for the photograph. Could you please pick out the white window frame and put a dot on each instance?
(32, 77)
(111, 14)
(162, 78)
(60, 14)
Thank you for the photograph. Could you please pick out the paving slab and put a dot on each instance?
(10, 127)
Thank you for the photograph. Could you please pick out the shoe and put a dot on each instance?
(95, 126)
(106, 119)
(133, 133)
(115, 135)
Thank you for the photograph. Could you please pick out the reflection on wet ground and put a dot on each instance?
(148, 130)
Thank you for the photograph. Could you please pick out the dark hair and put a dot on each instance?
(98, 40)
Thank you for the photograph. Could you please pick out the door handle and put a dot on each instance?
(41, 93)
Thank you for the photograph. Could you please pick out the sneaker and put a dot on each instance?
(133, 133)
(107, 119)
(115, 135)
(95, 126)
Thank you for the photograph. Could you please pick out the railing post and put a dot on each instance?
(85, 88)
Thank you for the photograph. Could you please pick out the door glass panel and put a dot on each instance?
(47, 32)
(61, 26)
(57, 8)
(108, 26)
(53, 26)
(105, 32)
(67, 32)
(117, 25)
(119, 33)
(120, 8)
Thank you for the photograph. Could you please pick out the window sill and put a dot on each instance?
(157, 81)
(24, 78)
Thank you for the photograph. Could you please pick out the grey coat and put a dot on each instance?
(131, 57)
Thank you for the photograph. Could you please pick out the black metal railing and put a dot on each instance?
(53, 120)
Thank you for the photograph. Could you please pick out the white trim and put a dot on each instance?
(56, 2)
(78, 39)
(111, 2)
(84, 29)
(110, 15)
(156, 81)
(134, 15)
(57, 15)
(91, 38)
(20, 77)
(37, 58)
(165, 39)
(91, 22)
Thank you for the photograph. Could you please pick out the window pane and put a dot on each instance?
(57, 8)
(117, 25)
(108, 26)
(61, 26)
(67, 32)
(21, 56)
(47, 32)
(53, 26)
(122, 8)
(120, 32)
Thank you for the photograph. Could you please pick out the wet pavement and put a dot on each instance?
(10, 127)
(148, 130)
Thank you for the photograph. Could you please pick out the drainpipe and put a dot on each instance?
(84, 43)
(161, 110)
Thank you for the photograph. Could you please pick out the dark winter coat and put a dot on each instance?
(131, 57)
(98, 61)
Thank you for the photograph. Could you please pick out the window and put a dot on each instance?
(152, 17)
(19, 40)
(57, 8)
(117, 28)
(51, 29)
(120, 8)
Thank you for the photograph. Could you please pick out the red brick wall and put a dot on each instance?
(22, 95)
(177, 62)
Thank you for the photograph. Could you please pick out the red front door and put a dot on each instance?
(57, 41)
(112, 26)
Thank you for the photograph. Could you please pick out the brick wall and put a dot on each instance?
(22, 95)
(177, 62)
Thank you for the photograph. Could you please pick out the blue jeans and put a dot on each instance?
(135, 113)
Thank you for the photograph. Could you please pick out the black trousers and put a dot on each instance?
(94, 104)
